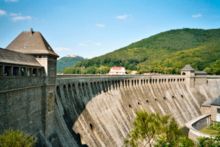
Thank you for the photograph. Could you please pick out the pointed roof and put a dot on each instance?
(31, 42)
(187, 67)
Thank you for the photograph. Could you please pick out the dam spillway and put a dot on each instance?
(101, 109)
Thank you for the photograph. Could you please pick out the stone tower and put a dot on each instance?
(33, 43)
(188, 71)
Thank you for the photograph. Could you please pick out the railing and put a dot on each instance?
(116, 76)
(213, 77)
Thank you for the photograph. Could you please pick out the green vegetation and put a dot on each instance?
(209, 131)
(89, 70)
(11, 138)
(156, 130)
(213, 129)
(209, 142)
(66, 62)
(166, 52)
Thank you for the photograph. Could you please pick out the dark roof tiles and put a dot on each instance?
(11, 57)
(187, 68)
(31, 43)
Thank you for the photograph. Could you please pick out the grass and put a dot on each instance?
(213, 129)
(209, 131)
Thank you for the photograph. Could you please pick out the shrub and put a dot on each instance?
(156, 130)
(15, 138)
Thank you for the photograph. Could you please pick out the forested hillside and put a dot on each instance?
(67, 62)
(166, 52)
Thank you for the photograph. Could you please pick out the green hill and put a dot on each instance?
(67, 61)
(166, 52)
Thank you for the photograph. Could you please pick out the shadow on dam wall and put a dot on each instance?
(101, 110)
(74, 94)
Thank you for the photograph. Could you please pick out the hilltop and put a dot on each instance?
(166, 52)
(69, 60)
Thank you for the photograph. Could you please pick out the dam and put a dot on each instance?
(102, 108)
(87, 110)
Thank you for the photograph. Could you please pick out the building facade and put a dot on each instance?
(117, 70)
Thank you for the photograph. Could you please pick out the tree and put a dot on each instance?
(156, 130)
(12, 138)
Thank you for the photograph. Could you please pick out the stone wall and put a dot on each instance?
(21, 101)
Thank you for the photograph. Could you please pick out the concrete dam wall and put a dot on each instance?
(100, 110)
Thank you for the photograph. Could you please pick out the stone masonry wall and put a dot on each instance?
(21, 101)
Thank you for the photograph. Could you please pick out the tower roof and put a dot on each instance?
(187, 67)
(31, 42)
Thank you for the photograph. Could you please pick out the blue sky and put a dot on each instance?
(91, 28)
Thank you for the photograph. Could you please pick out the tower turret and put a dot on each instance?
(188, 71)
(33, 43)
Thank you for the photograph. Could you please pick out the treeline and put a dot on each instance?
(166, 52)
(88, 70)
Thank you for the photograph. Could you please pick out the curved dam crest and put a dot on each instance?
(101, 109)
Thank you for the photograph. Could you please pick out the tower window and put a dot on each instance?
(34, 72)
(7, 71)
(1, 70)
(15, 71)
(218, 110)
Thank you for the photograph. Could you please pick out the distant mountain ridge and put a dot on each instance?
(66, 61)
(166, 52)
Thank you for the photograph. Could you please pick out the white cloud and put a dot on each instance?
(2, 12)
(19, 17)
(11, 1)
(122, 17)
(14, 14)
(198, 15)
(100, 25)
